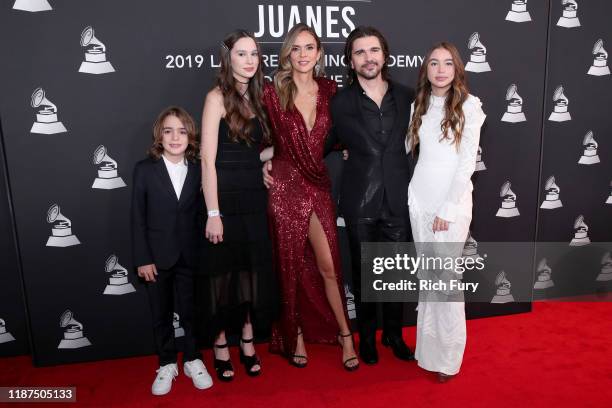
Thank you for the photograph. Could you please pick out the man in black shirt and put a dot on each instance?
(379, 119)
(370, 119)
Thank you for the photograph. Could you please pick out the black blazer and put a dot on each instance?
(373, 169)
(163, 227)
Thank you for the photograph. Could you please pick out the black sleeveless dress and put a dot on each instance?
(238, 271)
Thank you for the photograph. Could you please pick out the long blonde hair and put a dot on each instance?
(454, 119)
(283, 79)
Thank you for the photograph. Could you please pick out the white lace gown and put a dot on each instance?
(441, 186)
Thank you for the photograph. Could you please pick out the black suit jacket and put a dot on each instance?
(374, 168)
(163, 227)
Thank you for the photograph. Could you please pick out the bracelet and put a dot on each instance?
(214, 213)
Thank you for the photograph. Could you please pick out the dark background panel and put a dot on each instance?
(584, 188)
(14, 336)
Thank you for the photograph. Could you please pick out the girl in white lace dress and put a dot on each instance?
(445, 126)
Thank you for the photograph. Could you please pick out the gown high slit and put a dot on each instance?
(301, 188)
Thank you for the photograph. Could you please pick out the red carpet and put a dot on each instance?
(560, 355)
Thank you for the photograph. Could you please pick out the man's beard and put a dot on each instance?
(367, 74)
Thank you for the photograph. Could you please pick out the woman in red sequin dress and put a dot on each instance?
(300, 207)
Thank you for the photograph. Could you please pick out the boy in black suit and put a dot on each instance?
(166, 200)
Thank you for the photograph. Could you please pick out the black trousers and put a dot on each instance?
(384, 228)
(176, 280)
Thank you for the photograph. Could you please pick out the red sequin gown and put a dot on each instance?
(301, 187)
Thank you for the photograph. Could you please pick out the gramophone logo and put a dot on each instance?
(544, 279)
(552, 190)
(589, 155)
(560, 112)
(480, 166)
(5, 336)
(478, 57)
(118, 281)
(470, 249)
(508, 206)
(350, 302)
(32, 5)
(178, 330)
(46, 117)
(95, 54)
(73, 332)
(518, 12)
(61, 229)
(108, 178)
(502, 294)
(569, 18)
(606, 269)
(514, 110)
(600, 60)
(581, 232)
(609, 200)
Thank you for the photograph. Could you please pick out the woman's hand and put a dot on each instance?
(440, 225)
(214, 229)
(266, 170)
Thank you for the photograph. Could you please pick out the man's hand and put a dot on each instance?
(148, 272)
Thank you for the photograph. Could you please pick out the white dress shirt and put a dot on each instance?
(178, 173)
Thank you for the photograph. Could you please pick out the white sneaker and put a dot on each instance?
(163, 381)
(196, 370)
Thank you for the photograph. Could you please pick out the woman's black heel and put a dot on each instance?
(250, 361)
(299, 364)
(341, 338)
(223, 366)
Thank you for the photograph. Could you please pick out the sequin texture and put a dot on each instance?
(301, 187)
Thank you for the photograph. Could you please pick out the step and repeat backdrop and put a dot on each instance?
(83, 81)
(575, 197)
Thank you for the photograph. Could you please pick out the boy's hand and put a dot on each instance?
(148, 272)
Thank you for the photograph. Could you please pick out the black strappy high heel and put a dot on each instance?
(250, 361)
(223, 366)
(298, 364)
(341, 342)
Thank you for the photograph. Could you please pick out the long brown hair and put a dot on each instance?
(283, 80)
(454, 119)
(360, 32)
(157, 148)
(237, 109)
